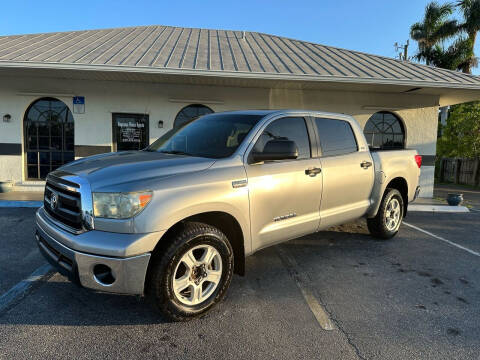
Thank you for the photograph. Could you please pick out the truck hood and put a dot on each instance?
(106, 170)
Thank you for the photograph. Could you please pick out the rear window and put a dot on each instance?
(336, 137)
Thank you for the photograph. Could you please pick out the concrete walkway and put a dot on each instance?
(22, 196)
(21, 199)
(471, 195)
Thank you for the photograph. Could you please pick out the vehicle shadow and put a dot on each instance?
(60, 302)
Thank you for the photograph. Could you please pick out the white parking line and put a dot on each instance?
(442, 239)
(317, 309)
(23, 286)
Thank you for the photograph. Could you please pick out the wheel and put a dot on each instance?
(389, 217)
(192, 274)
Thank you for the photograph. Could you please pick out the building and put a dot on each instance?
(73, 94)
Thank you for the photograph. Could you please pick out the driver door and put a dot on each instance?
(284, 194)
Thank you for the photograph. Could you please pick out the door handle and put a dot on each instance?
(313, 171)
(365, 164)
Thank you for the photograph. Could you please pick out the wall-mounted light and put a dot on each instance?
(7, 118)
(160, 124)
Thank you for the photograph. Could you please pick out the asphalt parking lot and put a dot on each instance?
(416, 296)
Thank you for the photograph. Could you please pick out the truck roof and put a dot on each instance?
(288, 111)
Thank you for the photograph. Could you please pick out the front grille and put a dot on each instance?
(68, 207)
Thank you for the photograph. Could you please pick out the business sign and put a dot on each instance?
(130, 131)
(79, 104)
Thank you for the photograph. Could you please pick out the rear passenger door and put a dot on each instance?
(284, 194)
(348, 173)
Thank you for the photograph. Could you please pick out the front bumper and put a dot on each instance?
(128, 273)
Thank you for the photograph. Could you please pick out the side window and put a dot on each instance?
(289, 128)
(336, 137)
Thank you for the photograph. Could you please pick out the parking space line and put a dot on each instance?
(21, 288)
(317, 309)
(442, 239)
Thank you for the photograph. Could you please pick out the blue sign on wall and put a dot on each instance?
(80, 100)
(79, 104)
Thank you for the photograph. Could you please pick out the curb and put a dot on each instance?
(438, 208)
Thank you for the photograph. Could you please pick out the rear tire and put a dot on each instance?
(192, 274)
(389, 217)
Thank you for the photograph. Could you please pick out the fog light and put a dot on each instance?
(103, 275)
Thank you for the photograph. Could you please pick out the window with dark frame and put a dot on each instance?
(385, 131)
(49, 137)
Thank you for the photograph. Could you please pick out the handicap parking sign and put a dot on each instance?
(79, 104)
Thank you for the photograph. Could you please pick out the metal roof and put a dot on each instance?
(189, 51)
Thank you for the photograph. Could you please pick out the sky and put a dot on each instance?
(372, 26)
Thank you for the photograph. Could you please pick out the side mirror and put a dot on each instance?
(276, 150)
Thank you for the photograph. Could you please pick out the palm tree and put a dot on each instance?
(433, 29)
(470, 10)
(456, 57)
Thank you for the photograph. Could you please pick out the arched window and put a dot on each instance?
(48, 132)
(190, 112)
(384, 130)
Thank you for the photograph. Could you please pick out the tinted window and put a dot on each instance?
(336, 137)
(212, 136)
(290, 128)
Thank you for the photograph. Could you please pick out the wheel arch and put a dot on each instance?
(396, 182)
(400, 184)
(223, 221)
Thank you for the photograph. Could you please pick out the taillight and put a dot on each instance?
(418, 160)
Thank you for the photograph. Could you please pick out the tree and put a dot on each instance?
(461, 135)
(457, 56)
(432, 30)
(470, 10)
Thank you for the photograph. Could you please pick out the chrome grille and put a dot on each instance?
(62, 201)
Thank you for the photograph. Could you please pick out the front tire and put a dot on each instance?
(389, 217)
(192, 274)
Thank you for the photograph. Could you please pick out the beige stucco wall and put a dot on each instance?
(163, 101)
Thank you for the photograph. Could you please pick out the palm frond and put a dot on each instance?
(434, 28)
(445, 30)
(470, 10)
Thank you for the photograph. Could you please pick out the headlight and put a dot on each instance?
(120, 205)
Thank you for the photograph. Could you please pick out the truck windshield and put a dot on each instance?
(212, 136)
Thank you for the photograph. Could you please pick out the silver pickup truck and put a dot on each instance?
(175, 221)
